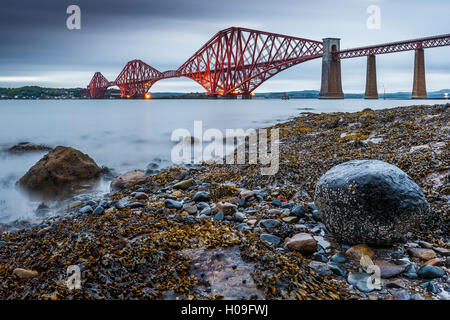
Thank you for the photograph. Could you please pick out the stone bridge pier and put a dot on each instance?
(331, 86)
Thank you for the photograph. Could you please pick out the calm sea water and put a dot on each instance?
(130, 134)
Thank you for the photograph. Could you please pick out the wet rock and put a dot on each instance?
(322, 242)
(320, 268)
(302, 242)
(339, 257)
(270, 238)
(443, 251)
(58, 170)
(172, 204)
(201, 196)
(23, 147)
(298, 211)
(25, 274)
(433, 262)
(389, 270)
(227, 208)
(189, 208)
(337, 269)
(361, 281)
(244, 226)
(219, 216)
(239, 216)
(369, 201)
(360, 250)
(290, 219)
(134, 205)
(401, 295)
(270, 224)
(425, 254)
(99, 210)
(185, 184)
(86, 209)
(425, 244)
(431, 272)
(397, 283)
(128, 180)
(319, 257)
(417, 296)
(140, 196)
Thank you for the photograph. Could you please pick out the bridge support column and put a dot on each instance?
(229, 96)
(419, 85)
(331, 87)
(371, 78)
(246, 96)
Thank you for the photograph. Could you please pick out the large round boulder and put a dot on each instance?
(60, 170)
(369, 201)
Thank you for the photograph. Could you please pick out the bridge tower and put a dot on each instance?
(419, 85)
(331, 86)
(371, 78)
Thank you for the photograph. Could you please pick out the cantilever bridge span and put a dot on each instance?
(238, 60)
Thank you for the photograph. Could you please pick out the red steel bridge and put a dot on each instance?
(238, 60)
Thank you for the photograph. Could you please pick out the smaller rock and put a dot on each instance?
(141, 196)
(339, 257)
(191, 209)
(98, 210)
(290, 219)
(86, 209)
(430, 272)
(227, 208)
(298, 211)
(433, 262)
(244, 226)
(360, 280)
(302, 242)
(425, 244)
(219, 216)
(239, 216)
(185, 184)
(201, 196)
(172, 204)
(25, 274)
(270, 224)
(136, 204)
(270, 238)
(359, 250)
(337, 269)
(320, 268)
(397, 283)
(128, 180)
(442, 251)
(389, 270)
(424, 254)
(402, 295)
(75, 204)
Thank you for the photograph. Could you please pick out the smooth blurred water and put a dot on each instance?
(129, 134)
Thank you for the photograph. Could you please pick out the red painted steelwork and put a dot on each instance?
(423, 43)
(238, 60)
(98, 85)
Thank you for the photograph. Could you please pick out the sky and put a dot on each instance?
(37, 48)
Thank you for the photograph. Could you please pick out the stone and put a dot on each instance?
(360, 250)
(290, 219)
(172, 204)
(430, 272)
(319, 257)
(270, 238)
(270, 224)
(369, 201)
(425, 244)
(298, 211)
(137, 204)
(337, 269)
(23, 147)
(128, 180)
(433, 262)
(201, 196)
(86, 209)
(98, 210)
(389, 270)
(219, 216)
(24, 273)
(320, 268)
(191, 209)
(443, 251)
(244, 226)
(227, 208)
(239, 216)
(75, 204)
(339, 257)
(141, 196)
(401, 295)
(302, 242)
(397, 283)
(424, 254)
(360, 281)
(185, 184)
(58, 171)
(206, 211)
(322, 242)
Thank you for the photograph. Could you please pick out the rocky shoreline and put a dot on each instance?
(215, 231)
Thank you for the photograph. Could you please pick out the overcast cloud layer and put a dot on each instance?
(36, 48)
